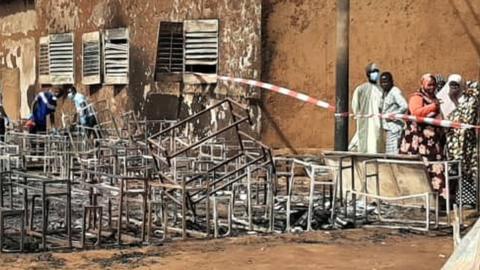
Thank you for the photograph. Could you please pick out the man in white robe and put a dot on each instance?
(367, 100)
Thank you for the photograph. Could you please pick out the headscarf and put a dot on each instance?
(424, 81)
(458, 79)
(426, 78)
(448, 105)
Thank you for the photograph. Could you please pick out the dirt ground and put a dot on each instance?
(347, 249)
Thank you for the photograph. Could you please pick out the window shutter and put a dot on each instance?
(116, 56)
(91, 58)
(201, 51)
(43, 61)
(169, 62)
(61, 59)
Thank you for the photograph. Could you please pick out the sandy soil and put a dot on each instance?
(350, 249)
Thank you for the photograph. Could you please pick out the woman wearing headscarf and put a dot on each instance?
(424, 139)
(462, 143)
(451, 94)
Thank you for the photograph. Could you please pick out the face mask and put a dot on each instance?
(70, 95)
(373, 76)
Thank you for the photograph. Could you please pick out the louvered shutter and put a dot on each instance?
(91, 58)
(169, 61)
(43, 62)
(61, 59)
(201, 51)
(116, 56)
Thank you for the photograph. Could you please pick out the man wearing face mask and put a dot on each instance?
(85, 111)
(367, 100)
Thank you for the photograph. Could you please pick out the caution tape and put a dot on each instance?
(281, 90)
(326, 105)
(422, 120)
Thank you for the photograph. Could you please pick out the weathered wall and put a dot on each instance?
(297, 45)
(18, 25)
(408, 38)
(240, 48)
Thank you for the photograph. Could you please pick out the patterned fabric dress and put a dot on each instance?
(462, 144)
(426, 140)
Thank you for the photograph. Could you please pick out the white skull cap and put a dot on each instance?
(372, 67)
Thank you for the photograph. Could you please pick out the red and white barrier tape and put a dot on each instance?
(326, 105)
(281, 90)
(418, 119)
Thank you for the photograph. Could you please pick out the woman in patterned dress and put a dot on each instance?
(462, 143)
(424, 139)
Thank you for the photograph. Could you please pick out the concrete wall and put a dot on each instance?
(408, 38)
(240, 49)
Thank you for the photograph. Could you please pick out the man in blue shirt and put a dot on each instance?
(44, 105)
(85, 111)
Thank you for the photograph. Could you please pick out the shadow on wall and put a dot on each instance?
(466, 26)
(162, 106)
(271, 122)
(139, 62)
(10, 7)
(117, 89)
(31, 93)
(92, 89)
(267, 51)
(267, 55)
(170, 107)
